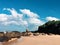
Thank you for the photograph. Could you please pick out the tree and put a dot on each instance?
(50, 27)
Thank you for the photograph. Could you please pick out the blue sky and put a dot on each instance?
(45, 10)
(42, 7)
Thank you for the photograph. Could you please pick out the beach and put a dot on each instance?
(35, 40)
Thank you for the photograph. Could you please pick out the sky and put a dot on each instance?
(20, 15)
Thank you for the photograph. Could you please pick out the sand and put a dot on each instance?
(35, 40)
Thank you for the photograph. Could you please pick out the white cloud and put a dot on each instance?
(35, 21)
(29, 13)
(3, 17)
(13, 11)
(11, 22)
(33, 17)
(18, 18)
(51, 18)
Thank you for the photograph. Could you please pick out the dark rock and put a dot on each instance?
(8, 35)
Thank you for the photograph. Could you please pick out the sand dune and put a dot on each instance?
(36, 40)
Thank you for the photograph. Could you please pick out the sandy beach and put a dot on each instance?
(35, 40)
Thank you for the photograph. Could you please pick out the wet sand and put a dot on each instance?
(36, 40)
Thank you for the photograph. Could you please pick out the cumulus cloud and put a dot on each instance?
(3, 17)
(35, 21)
(51, 18)
(24, 19)
(29, 13)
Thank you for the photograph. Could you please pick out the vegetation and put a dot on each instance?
(50, 27)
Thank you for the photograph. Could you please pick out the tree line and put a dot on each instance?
(50, 27)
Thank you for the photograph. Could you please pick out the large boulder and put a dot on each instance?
(27, 33)
(14, 34)
(4, 39)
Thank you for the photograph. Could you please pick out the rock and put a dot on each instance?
(27, 33)
(4, 39)
(14, 34)
(35, 34)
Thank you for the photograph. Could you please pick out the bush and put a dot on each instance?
(50, 27)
